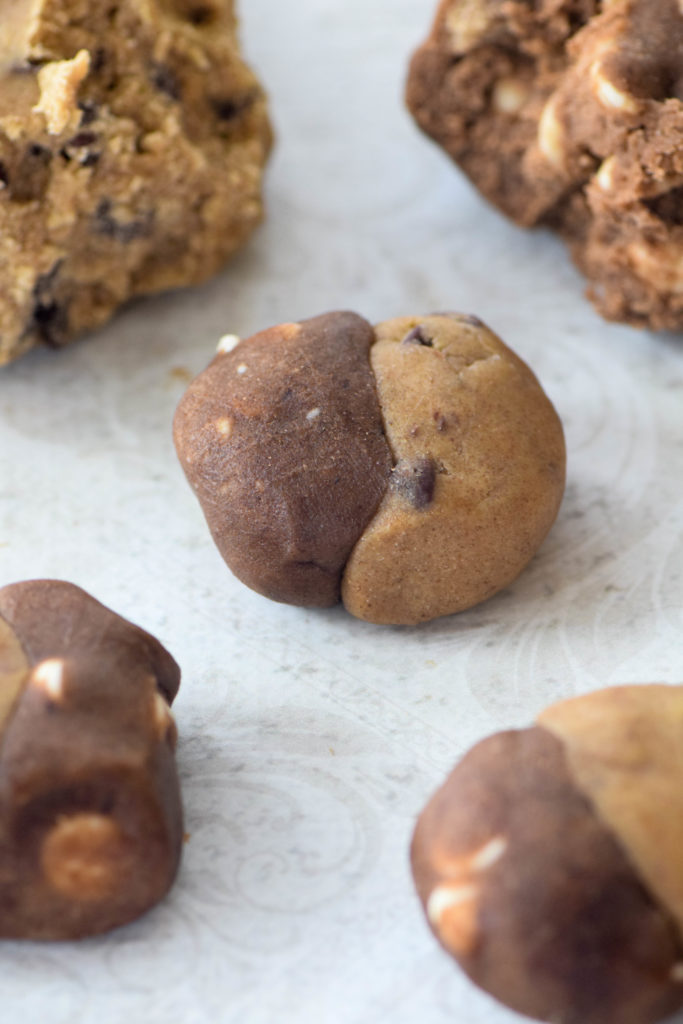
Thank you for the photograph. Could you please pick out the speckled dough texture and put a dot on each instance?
(90, 814)
(569, 113)
(412, 470)
(132, 143)
(538, 862)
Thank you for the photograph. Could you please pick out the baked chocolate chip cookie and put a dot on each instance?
(569, 113)
(90, 813)
(132, 142)
(411, 470)
(549, 865)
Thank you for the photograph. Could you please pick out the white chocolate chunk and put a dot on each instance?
(84, 858)
(551, 141)
(509, 95)
(59, 83)
(49, 676)
(227, 343)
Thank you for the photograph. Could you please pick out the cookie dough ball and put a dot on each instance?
(570, 115)
(132, 142)
(549, 865)
(90, 814)
(411, 470)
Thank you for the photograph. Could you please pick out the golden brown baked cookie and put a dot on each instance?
(90, 813)
(569, 113)
(412, 470)
(132, 142)
(549, 862)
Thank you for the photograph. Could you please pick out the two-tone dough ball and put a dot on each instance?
(410, 470)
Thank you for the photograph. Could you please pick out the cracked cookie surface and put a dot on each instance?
(132, 143)
(569, 113)
(411, 470)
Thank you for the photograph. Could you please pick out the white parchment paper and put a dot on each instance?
(309, 740)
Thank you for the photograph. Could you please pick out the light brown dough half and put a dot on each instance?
(478, 478)
(624, 747)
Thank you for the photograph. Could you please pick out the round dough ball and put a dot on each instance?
(412, 470)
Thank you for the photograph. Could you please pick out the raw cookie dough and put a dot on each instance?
(132, 142)
(569, 113)
(549, 865)
(411, 470)
(90, 814)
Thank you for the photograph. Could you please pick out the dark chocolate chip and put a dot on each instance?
(82, 139)
(106, 224)
(228, 108)
(201, 15)
(417, 337)
(4, 176)
(415, 481)
(98, 60)
(89, 112)
(667, 207)
(80, 142)
(49, 317)
(166, 80)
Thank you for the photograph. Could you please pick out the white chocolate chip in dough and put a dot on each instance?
(227, 343)
(164, 721)
(59, 83)
(48, 675)
(604, 176)
(608, 94)
(84, 857)
(509, 95)
(551, 140)
(467, 22)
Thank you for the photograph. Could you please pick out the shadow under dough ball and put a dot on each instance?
(549, 862)
(90, 814)
(569, 114)
(410, 470)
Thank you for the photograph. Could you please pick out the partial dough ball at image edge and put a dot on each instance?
(548, 864)
(411, 470)
(91, 819)
(133, 138)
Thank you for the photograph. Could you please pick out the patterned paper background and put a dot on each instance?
(309, 741)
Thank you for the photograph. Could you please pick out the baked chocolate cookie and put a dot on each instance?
(411, 470)
(549, 866)
(569, 114)
(132, 142)
(90, 813)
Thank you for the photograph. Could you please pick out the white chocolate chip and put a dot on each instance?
(446, 897)
(467, 22)
(551, 135)
(313, 414)
(242, 368)
(489, 854)
(59, 82)
(85, 857)
(604, 176)
(608, 94)
(227, 343)
(163, 719)
(49, 676)
(224, 426)
(509, 95)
